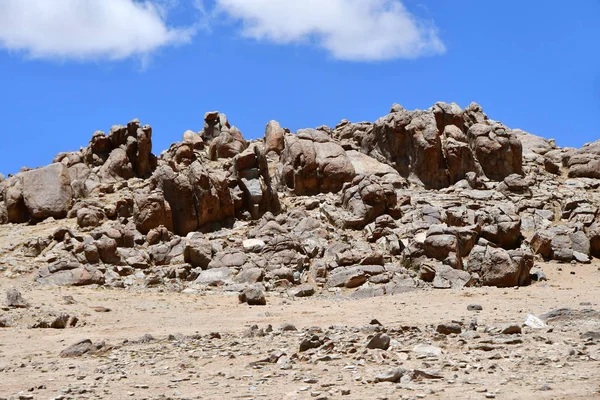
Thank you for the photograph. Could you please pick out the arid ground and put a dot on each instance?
(161, 345)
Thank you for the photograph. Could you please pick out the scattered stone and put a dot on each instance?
(14, 299)
(510, 330)
(534, 322)
(253, 296)
(448, 329)
(427, 349)
(78, 349)
(311, 343)
(379, 341)
(392, 375)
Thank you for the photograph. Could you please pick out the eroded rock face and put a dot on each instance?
(14, 203)
(497, 149)
(258, 194)
(585, 163)
(362, 201)
(125, 153)
(439, 146)
(229, 143)
(195, 195)
(151, 211)
(312, 162)
(355, 207)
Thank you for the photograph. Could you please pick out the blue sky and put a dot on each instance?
(71, 67)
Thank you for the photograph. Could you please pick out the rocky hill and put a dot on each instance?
(442, 197)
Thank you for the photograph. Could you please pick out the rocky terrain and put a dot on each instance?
(432, 253)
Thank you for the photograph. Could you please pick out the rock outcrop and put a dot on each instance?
(441, 198)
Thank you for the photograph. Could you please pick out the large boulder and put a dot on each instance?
(144, 159)
(313, 163)
(214, 123)
(12, 190)
(585, 162)
(117, 167)
(258, 194)
(497, 149)
(47, 191)
(150, 210)
(195, 195)
(594, 239)
(562, 244)
(212, 196)
(198, 250)
(179, 193)
(410, 141)
(499, 267)
(229, 143)
(274, 138)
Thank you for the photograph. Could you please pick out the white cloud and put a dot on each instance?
(87, 29)
(359, 30)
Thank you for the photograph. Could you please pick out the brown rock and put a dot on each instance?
(47, 191)
(150, 211)
(313, 163)
(274, 138)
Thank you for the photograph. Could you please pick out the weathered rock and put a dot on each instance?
(557, 243)
(440, 246)
(585, 162)
(198, 250)
(253, 245)
(144, 160)
(150, 211)
(392, 375)
(499, 267)
(274, 137)
(448, 329)
(594, 238)
(78, 349)
(107, 249)
(302, 291)
(366, 165)
(363, 200)
(379, 341)
(258, 193)
(215, 277)
(80, 276)
(253, 296)
(12, 189)
(515, 184)
(497, 149)
(14, 299)
(313, 163)
(352, 277)
(310, 343)
(449, 278)
(89, 217)
(117, 167)
(47, 191)
(229, 143)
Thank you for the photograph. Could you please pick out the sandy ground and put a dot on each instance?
(183, 360)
